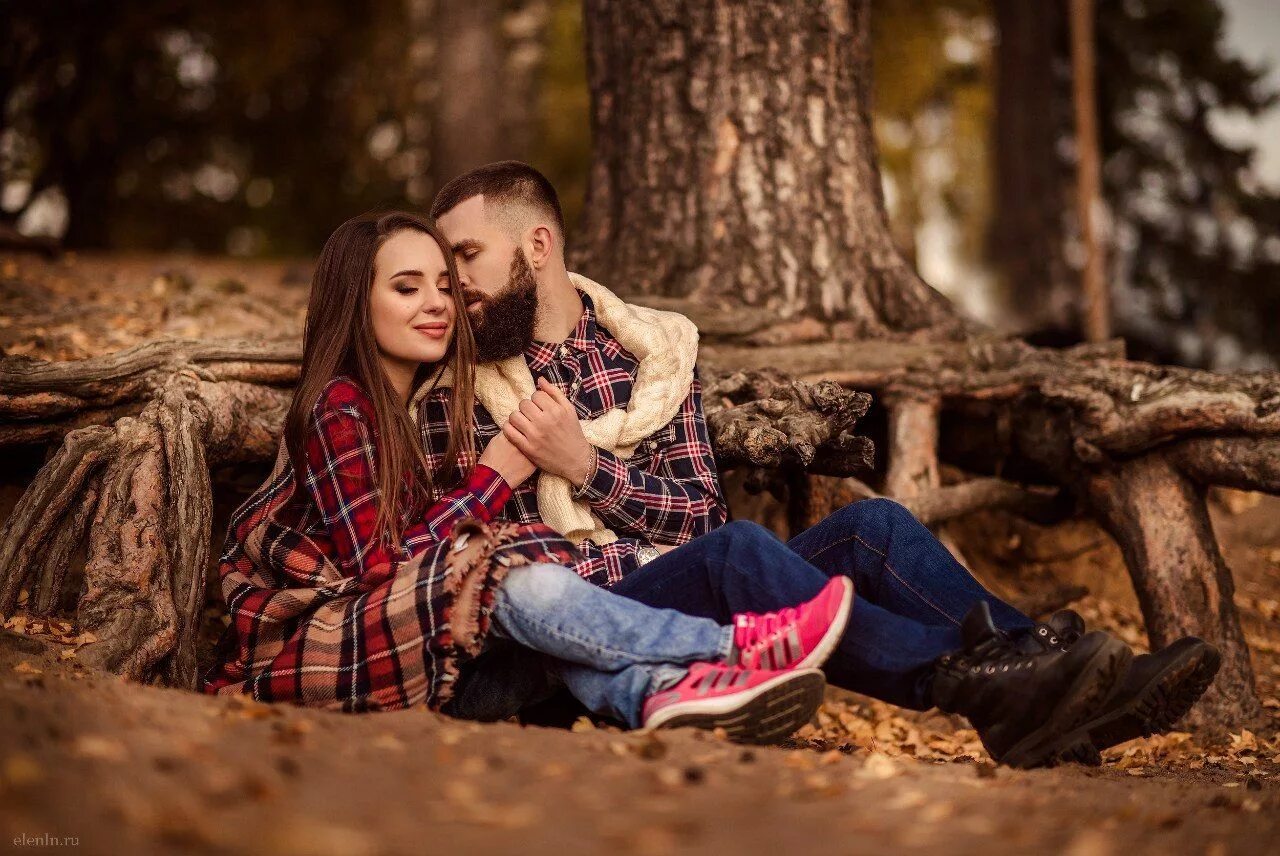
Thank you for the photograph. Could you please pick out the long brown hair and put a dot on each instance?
(338, 340)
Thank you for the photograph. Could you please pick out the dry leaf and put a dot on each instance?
(389, 742)
(878, 767)
(99, 748)
(21, 769)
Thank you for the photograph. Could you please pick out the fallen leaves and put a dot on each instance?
(60, 630)
(20, 769)
(99, 748)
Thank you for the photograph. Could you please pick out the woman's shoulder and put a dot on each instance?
(343, 394)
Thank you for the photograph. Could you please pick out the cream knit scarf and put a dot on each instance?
(665, 343)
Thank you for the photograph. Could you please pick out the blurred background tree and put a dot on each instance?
(253, 129)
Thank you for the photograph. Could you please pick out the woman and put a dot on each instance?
(355, 582)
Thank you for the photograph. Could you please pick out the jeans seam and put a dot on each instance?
(884, 560)
(629, 656)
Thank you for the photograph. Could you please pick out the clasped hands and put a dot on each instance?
(542, 434)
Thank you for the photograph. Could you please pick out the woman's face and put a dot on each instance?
(410, 306)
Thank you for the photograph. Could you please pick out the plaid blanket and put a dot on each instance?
(324, 615)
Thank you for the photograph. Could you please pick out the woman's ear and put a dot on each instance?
(542, 246)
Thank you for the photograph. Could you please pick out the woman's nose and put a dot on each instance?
(436, 301)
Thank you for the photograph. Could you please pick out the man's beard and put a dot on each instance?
(505, 324)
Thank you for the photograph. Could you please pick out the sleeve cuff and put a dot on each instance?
(606, 485)
(488, 485)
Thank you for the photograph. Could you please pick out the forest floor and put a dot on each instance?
(91, 761)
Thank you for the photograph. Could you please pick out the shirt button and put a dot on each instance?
(562, 351)
(575, 387)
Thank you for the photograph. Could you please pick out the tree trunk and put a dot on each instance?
(469, 59)
(523, 28)
(1027, 237)
(421, 91)
(734, 161)
(1096, 295)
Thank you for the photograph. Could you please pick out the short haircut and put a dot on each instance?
(509, 183)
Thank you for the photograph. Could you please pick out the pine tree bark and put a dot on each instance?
(734, 162)
(469, 60)
(1027, 236)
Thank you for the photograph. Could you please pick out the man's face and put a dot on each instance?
(498, 283)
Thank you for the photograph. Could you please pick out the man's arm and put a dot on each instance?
(675, 498)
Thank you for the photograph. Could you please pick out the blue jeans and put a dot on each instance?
(611, 652)
(910, 592)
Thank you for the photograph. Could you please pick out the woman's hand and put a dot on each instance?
(509, 461)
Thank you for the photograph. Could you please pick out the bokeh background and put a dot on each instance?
(252, 129)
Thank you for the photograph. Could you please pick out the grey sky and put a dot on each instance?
(1253, 31)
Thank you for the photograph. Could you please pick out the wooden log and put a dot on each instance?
(913, 443)
(1159, 518)
(1244, 463)
(987, 494)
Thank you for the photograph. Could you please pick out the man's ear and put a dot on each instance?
(541, 246)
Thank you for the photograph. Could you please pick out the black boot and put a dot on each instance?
(1157, 690)
(1026, 705)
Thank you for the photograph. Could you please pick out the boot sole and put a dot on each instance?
(829, 640)
(1089, 691)
(1154, 709)
(769, 713)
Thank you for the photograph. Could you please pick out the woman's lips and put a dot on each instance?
(434, 331)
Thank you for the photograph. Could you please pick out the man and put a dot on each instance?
(923, 632)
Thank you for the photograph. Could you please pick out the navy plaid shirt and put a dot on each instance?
(666, 493)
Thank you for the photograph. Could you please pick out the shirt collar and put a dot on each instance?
(583, 338)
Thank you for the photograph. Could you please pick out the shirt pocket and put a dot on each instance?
(650, 450)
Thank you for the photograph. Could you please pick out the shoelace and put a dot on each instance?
(765, 628)
(994, 654)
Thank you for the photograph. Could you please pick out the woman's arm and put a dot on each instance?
(341, 470)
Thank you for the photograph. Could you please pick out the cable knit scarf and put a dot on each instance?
(665, 343)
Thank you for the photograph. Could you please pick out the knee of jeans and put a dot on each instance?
(878, 511)
(737, 532)
(538, 587)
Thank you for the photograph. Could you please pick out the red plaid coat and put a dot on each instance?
(324, 613)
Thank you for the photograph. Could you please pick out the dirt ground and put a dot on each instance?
(89, 761)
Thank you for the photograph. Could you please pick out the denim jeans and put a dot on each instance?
(609, 651)
(910, 592)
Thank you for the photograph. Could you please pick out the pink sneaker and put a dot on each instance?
(752, 707)
(798, 637)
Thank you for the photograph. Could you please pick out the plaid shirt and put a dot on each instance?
(666, 493)
(325, 613)
(341, 480)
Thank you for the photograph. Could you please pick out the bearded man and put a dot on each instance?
(604, 398)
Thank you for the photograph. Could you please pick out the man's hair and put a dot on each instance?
(505, 183)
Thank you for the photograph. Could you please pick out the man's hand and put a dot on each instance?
(547, 431)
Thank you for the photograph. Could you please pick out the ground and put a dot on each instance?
(118, 767)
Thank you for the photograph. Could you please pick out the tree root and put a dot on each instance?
(138, 490)
(1135, 445)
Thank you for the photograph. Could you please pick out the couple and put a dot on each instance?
(496, 480)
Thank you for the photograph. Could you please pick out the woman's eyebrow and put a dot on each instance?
(406, 273)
